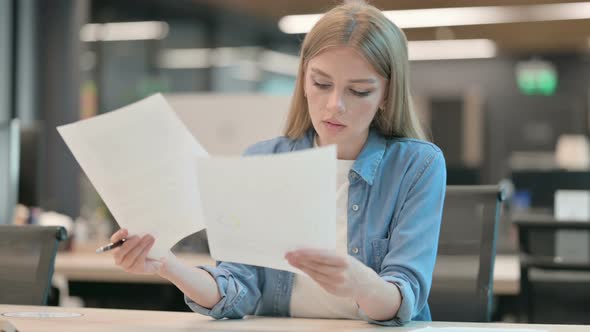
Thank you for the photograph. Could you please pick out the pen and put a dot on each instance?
(111, 246)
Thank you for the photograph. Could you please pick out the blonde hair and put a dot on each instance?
(383, 45)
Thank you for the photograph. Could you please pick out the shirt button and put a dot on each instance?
(355, 250)
(355, 207)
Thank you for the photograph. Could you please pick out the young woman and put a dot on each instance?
(352, 90)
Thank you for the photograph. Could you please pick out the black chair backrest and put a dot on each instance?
(27, 257)
(462, 285)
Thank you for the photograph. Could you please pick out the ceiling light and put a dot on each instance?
(185, 58)
(124, 31)
(451, 49)
(438, 17)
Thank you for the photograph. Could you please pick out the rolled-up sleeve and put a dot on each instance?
(409, 262)
(239, 286)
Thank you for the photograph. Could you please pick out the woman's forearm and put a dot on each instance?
(196, 283)
(379, 300)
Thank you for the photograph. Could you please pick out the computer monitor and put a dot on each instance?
(540, 186)
(463, 175)
(9, 158)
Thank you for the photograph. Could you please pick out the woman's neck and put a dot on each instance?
(346, 150)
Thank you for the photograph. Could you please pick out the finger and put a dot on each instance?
(118, 235)
(325, 274)
(329, 286)
(125, 248)
(321, 256)
(327, 270)
(142, 257)
(320, 278)
(130, 258)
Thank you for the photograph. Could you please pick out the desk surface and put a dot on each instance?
(507, 275)
(113, 320)
(90, 266)
(101, 267)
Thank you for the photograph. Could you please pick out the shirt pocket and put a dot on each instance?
(380, 248)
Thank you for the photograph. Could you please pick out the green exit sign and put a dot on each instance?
(536, 77)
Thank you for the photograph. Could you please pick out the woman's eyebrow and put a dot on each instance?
(356, 80)
(363, 80)
(319, 72)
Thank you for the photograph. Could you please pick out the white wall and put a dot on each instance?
(228, 124)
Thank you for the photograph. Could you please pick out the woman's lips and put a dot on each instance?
(333, 125)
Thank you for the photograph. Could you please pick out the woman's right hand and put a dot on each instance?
(132, 255)
(196, 283)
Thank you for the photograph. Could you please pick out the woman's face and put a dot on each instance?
(343, 94)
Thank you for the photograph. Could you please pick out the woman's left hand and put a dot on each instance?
(341, 275)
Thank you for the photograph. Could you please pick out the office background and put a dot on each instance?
(498, 114)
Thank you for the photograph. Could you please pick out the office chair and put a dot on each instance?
(27, 257)
(553, 288)
(462, 285)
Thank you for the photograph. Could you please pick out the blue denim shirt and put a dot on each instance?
(395, 202)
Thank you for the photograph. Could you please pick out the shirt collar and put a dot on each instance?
(368, 161)
(305, 142)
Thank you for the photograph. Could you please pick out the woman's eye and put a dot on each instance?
(321, 86)
(360, 93)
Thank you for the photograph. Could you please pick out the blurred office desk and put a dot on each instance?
(92, 267)
(114, 320)
(507, 275)
(555, 268)
(457, 269)
(96, 280)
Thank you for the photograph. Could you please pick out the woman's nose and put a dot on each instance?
(336, 102)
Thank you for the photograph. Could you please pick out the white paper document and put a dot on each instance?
(141, 159)
(474, 329)
(259, 207)
(156, 178)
